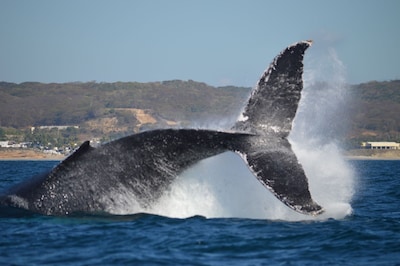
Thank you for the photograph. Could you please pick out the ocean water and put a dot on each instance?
(369, 233)
(217, 213)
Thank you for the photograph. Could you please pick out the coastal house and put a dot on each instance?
(11, 144)
(380, 145)
(56, 127)
(4, 144)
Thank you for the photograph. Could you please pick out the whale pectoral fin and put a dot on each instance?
(279, 170)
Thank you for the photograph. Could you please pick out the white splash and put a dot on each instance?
(221, 186)
(319, 125)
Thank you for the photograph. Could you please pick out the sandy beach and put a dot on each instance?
(366, 154)
(27, 154)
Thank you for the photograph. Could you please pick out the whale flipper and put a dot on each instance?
(143, 165)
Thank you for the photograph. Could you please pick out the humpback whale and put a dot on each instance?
(145, 164)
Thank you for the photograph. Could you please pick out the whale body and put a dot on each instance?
(145, 164)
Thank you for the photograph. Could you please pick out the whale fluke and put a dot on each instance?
(144, 165)
(269, 115)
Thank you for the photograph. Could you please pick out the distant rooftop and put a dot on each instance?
(380, 145)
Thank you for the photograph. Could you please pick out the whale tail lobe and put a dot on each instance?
(268, 115)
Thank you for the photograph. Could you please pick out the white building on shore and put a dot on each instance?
(56, 127)
(380, 145)
(4, 144)
(10, 144)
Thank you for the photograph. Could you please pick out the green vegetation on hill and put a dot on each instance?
(37, 104)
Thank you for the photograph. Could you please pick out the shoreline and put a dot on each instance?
(36, 155)
(30, 159)
(367, 154)
(28, 155)
(370, 158)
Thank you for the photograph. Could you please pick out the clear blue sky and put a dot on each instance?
(217, 42)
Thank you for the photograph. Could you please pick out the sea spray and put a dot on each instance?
(221, 186)
(320, 124)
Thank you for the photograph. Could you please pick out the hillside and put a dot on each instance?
(375, 111)
(110, 110)
(34, 104)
